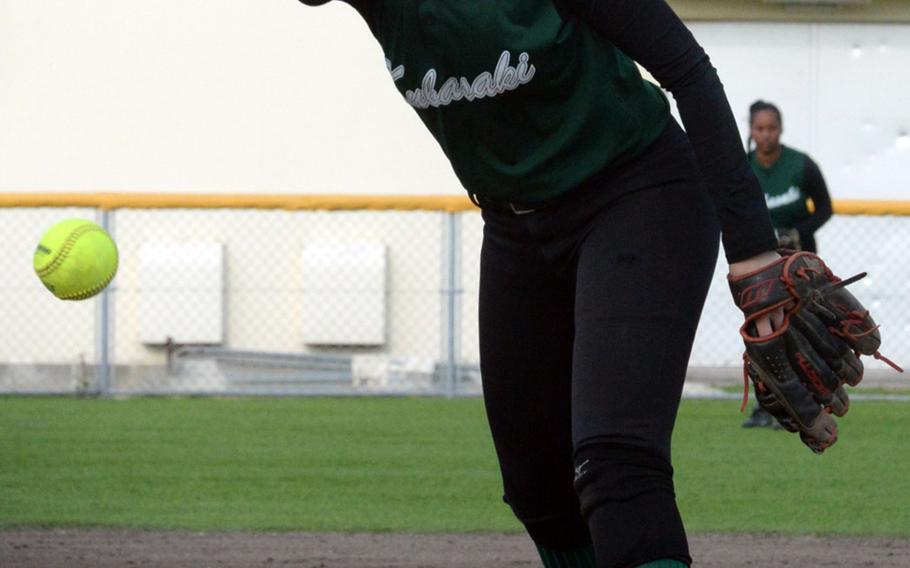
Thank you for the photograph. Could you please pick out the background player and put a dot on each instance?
(789, 178)
(601, 231)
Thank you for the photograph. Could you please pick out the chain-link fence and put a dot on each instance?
(269, 301)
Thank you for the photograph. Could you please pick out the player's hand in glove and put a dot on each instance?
(800, 365)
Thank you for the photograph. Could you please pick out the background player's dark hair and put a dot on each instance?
(757, 107)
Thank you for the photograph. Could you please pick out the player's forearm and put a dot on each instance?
(651, 33)
(737, 195)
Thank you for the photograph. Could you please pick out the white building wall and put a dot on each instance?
(276, 97)
(195, 96)
(842, 88)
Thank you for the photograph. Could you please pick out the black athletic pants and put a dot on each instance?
(588, 310)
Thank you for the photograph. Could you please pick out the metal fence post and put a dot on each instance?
(451, 301)
(103, 333)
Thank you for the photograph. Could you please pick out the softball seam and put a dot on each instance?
(65, 249)
(95, 289)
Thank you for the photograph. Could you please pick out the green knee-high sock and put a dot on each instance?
(580, 558)
(665, 563)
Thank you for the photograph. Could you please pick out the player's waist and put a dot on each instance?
(668, 158)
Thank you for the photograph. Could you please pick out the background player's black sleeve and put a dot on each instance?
(814, 186)
(650, 32)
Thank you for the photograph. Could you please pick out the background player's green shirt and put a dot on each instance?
(525, 105)
(784, 185)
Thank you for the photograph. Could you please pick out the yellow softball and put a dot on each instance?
(76, 259)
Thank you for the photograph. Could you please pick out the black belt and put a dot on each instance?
(502, 206)
(515, 208)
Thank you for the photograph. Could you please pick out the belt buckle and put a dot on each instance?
(518, 211)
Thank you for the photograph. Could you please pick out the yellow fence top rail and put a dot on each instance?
(292, 202)
(871, 207)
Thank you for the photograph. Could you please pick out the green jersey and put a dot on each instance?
(784, 184)
(526, 105)
(532, 98)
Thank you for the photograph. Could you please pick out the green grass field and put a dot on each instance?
(397, 464)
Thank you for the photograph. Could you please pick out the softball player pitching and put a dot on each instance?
(602, 222)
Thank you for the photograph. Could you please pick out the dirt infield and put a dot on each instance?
(128, 549)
